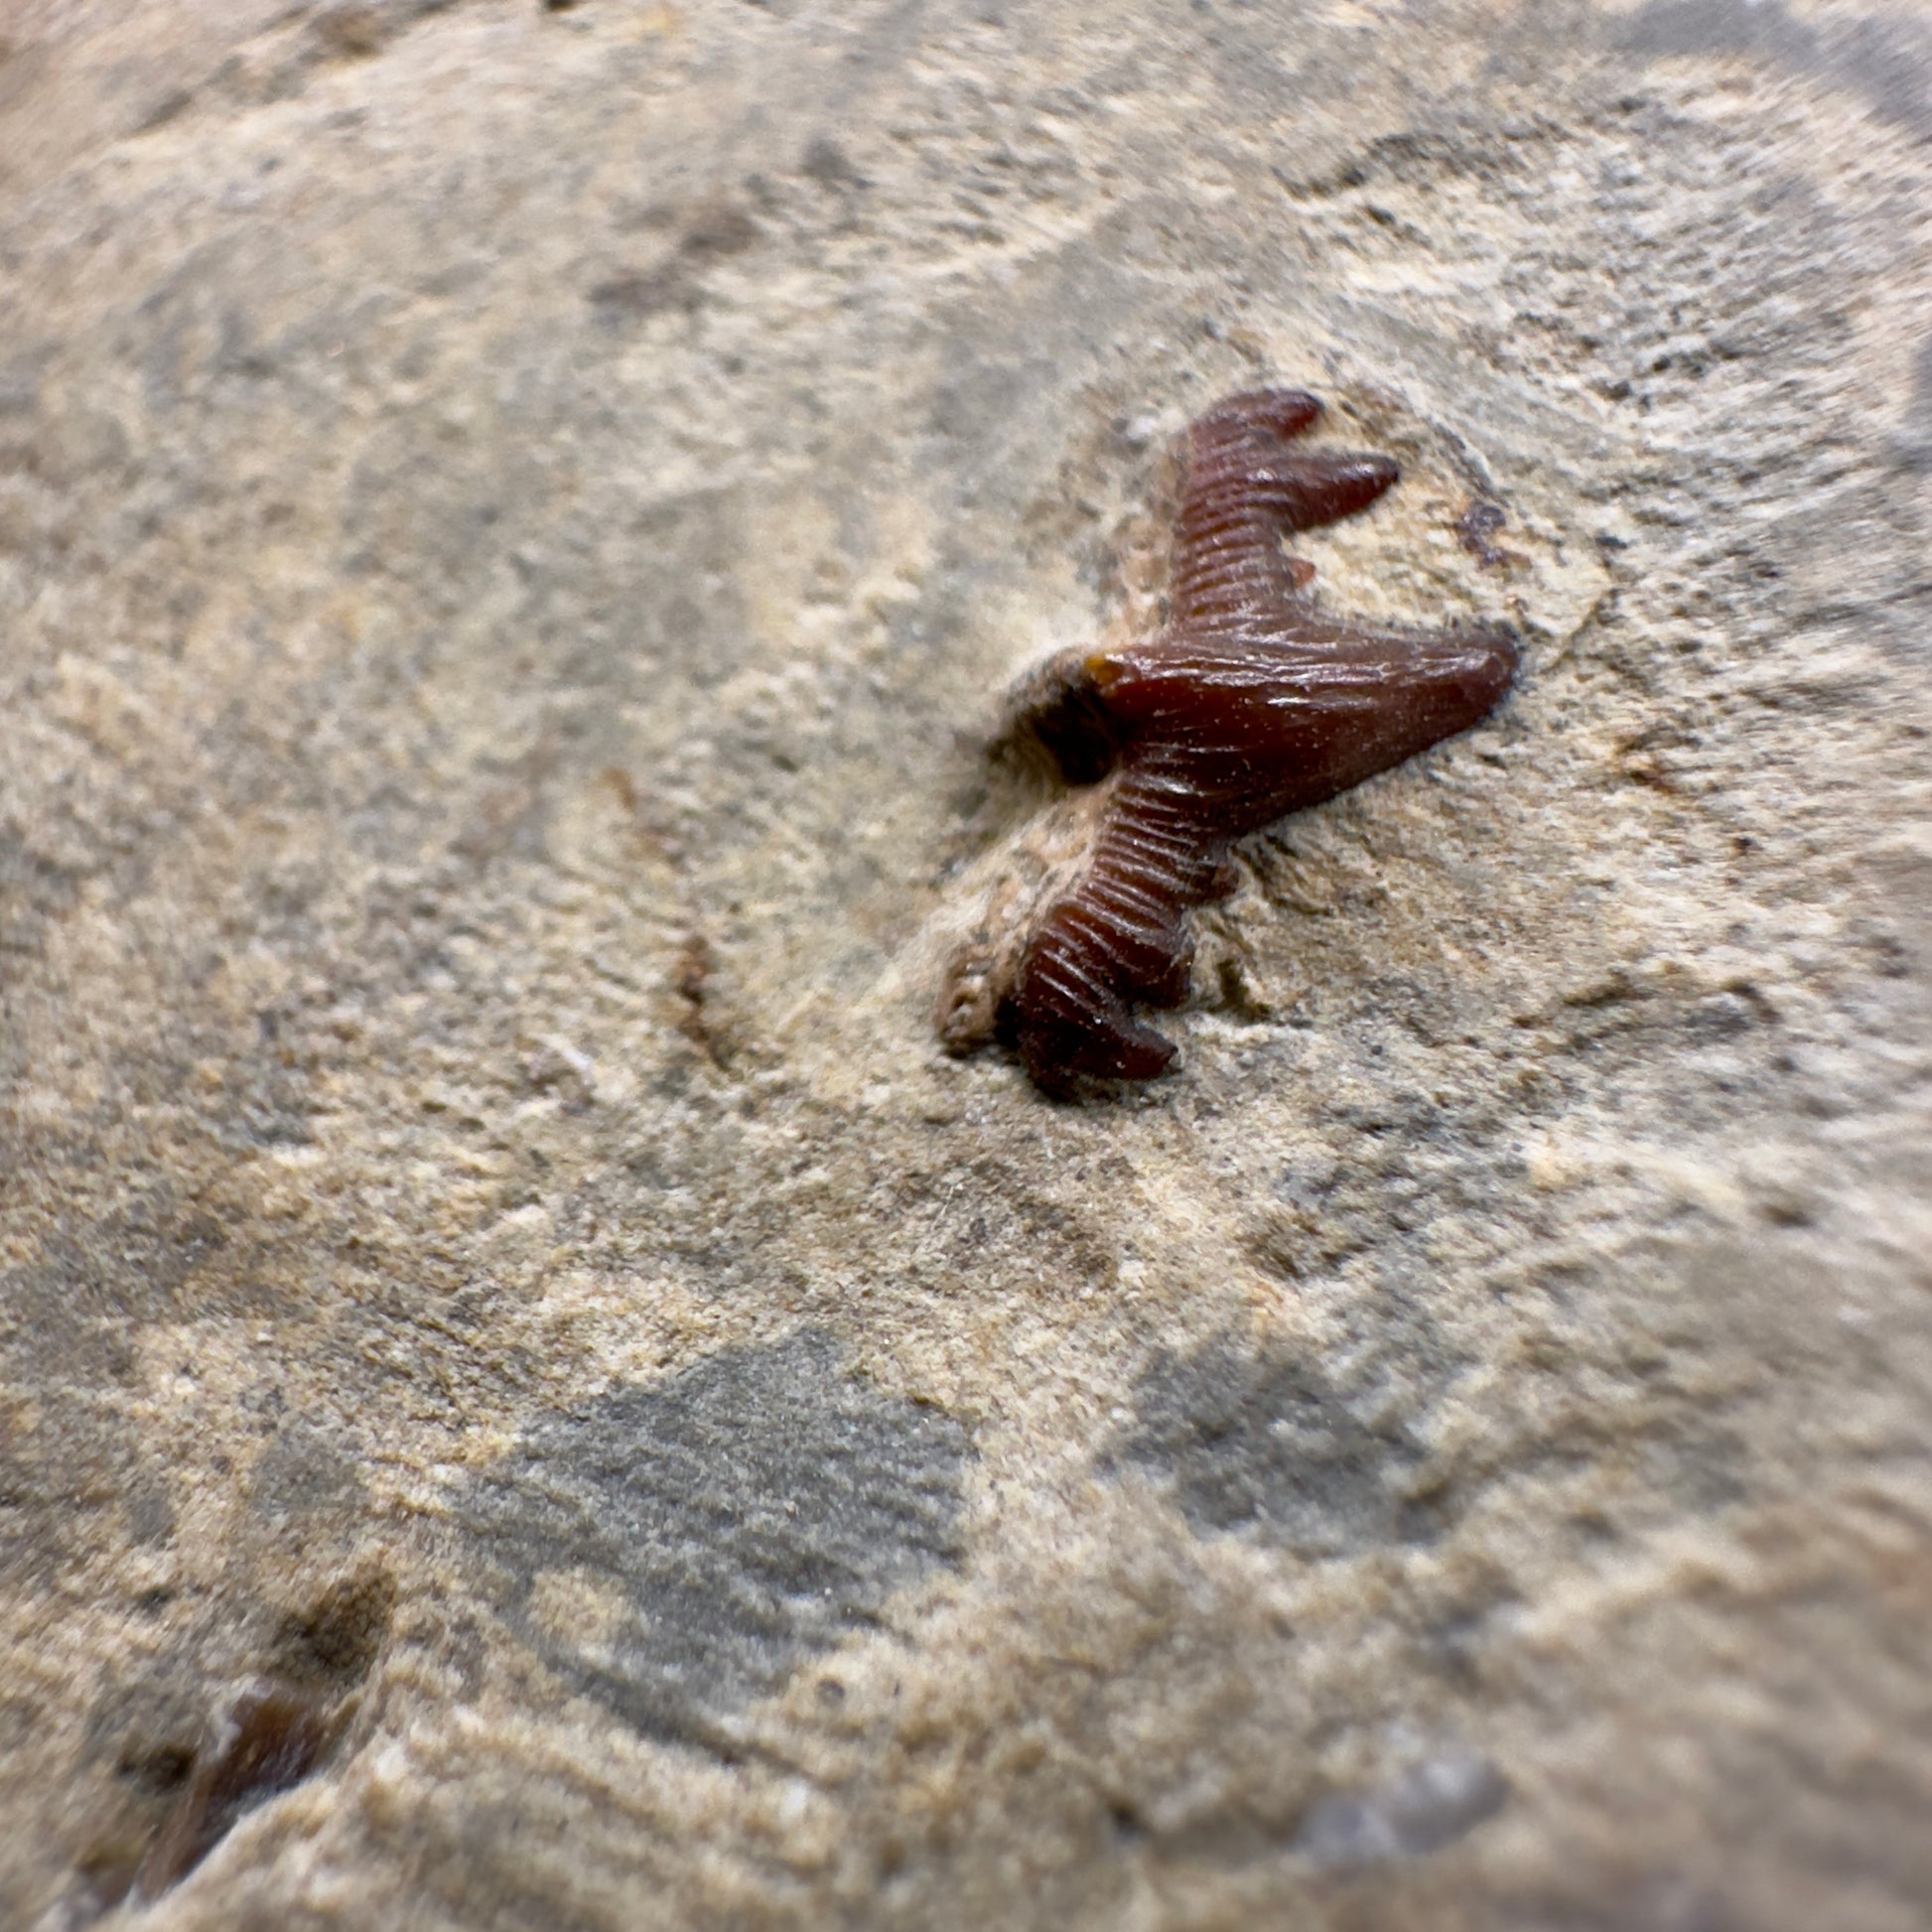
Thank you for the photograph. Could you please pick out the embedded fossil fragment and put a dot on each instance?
(1249, 704)
(271, 1739)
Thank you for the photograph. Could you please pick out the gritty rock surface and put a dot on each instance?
(512, 521)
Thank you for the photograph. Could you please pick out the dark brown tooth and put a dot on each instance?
(1249, 705)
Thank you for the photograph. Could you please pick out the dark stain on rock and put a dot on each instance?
(830, 166)
(332, 1644)
(716, 231)
(1263, 1443)
(149, 1513)
(675, 1550)
(303, 1475)
(355, 30)
(68, 1317)
(75, 1309)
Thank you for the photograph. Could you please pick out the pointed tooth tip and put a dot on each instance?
(1501, 659)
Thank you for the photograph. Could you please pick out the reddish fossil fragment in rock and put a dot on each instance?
(270, 1742)
(1474, 530)
(1249, 704)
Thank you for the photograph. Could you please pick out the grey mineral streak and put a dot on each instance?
(512, 520)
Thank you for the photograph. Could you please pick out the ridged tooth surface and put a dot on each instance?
(1250, 705)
